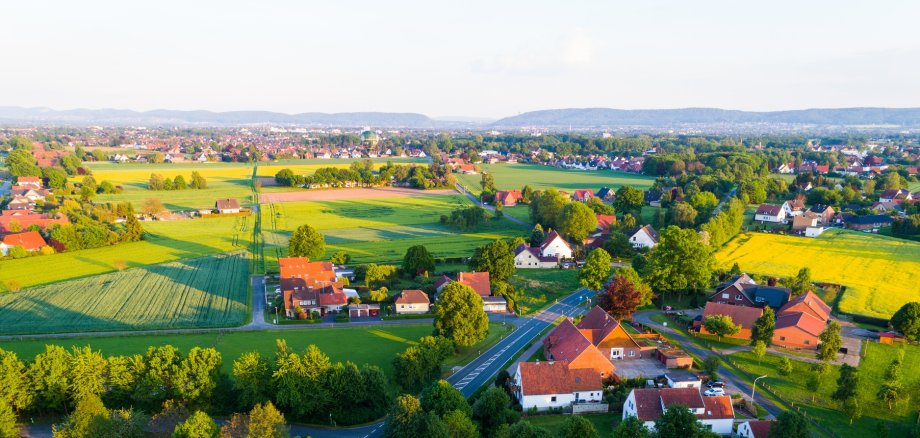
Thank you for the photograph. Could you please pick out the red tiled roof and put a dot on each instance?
(769, 209)
(604, 221)
(741, 315)
(717, 408)
(479, 281)
(556, 377)
(648, 404)
(760, 428)
(29, 241)
(597, 324)
(227, 204)
(808, 302)
(412, 296)
(508, 197)
(553, 235)
(689, 397)
(801, 320)
(566, 342)
(302, 267)
(583, 193)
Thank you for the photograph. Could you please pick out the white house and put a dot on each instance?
(552, 384)
(683, 380)
(647, 404)
(526, 257)
(411, 301)
(813, 231)
(492, 304)
(770, 213)
(794, 207)
(754, 429)
(555, 246)
(645, 237)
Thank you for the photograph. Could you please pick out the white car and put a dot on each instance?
(711, 392)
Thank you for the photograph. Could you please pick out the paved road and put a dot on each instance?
(489, 207)
(482, 369)
(726, 374)
(258, 303)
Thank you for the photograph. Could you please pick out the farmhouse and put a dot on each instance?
(608, 335)
(803, 221)
(20, 203)
(644, 237)
(770, 213)
(309, 286)
(228, 205)
(30, 241)
(478, 281)
(801, 321)
(555, 246)
(526, 257)
(890, 195)
(411, 301)
(23, 219)
(648, 404)
(554, 384)
(567, 343)
(508, 198)
(743, 291)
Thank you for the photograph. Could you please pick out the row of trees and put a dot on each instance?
(362, 173)
(158, 182)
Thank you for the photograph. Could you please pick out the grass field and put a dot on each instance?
(543, 286)
(371, 345)
(225, 180)
(203, 292)
(165, 241)
(604, 423)
(826, 411)
(379, 230)
(516, 176)
(881, 273)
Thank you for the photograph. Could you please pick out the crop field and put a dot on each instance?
(516, 176)
(379, 230)
(203, 292)
(881, 273)
(225, 180)
(165, 241)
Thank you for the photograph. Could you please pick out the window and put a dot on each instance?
(632, 354)
(738, 297)
(807, 342)
(725, 296)
(552, 399)
(782, 338)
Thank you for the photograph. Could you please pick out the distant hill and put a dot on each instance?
(606, 117)
(209, 118)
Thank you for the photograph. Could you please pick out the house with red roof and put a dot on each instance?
(32, 181)
(566, 342)
(754, 429)
(648, 404)
(770, 213)
(508, 198)
(582, 195)
(545, 385)
(309, 286)
(608, 335)
(23, 219)
(740, 315)
(411, 301)
(30, 241)
(801, 321)
(478, 281)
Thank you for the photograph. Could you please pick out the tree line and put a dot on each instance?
(158, 182)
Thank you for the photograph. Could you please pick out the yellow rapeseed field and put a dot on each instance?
(881, 273)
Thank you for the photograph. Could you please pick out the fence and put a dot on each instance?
(584, 408)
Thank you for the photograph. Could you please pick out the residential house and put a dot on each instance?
(545, 385)
(648, 404)
(566, 342)
(880, 207)
(870, 222)
(653, 198)
(29, 192)
(30, 241)
(825, 213)
(228, 205)
(803, 221)
(30, 181)
(310, 286)
(814, 231)
(794, 207)
(555, 246)
(743, 316)
(508, 198)
(770, 213)
(742, 291)
(801, 321)
(526, 257)
(644, 237)
(478, 281)
(600, 233)
(17, 220)
(20, 203)
(609, 336)
(606, 194)
(411, 301)
(894, 195)
(754, 429)
(582, 195)
(786, 168)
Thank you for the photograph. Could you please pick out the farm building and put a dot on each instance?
(30, 241)
(508, 198)
(672, 357)
(228, 205)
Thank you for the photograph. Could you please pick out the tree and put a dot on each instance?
(631, 427)
(629, 199)
(763, 328)
(49, 374)
(378, 273)
(813, 383)
(198, 181)
(404, 418)
(459, 424)
(907, 320)
(179, 183)
(620, 299)
(598, 207)
(577, 427)
(15, 382)
(892, 389)
(830, 342)
(790, 424)
(459, 315)
(8, 426)
(704, 203)
(596, 269)
(628, 224)
(720, 325)
(678, 422)
(852, 409)
(785, 366)
(133, 231)
(152, 206)
(546, 208)
(495, 258)
(487, 182)
(156, 182)
(578, 220)
(87, 373)
(198, 425)
(537, 235)
(617, 244)
(20, 162)
(265, 421)
(441, 398)
(759, 350)
(847, 383)
(801, 283)
(340, 258)
(250, 372)
(492, 410)
(680, 262)
(522, 429)
(307, 242)
(417, 260)
(86, 420)
(682, 215)
(711, 366)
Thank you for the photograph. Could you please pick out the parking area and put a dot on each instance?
(645, 367)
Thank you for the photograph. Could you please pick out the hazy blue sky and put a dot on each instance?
(471, 58)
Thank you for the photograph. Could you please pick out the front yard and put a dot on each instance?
(543, 286)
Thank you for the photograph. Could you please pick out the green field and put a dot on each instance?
(379, 230)
(604, 423)
(371, 345)
(516, 176)
(543, 286)
(165, 241)
(881, 273)
(225, 180)
(826, 411)
(202, 292)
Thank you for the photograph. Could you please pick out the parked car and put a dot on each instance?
(711, 392)
(716, 384)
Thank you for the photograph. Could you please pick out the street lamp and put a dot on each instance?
(754, 386)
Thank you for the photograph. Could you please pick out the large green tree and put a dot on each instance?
(307, 242)
(682, 215)
(417, 260)
(546, 208)
(15, 382)
(198, 425)
(629, 199)
(680, 262)
(250, 372)
(596, 269)
(8, 423)
(441, 398)
(459, 315)
(790, 424)
(493, 409)
(87, 373)
(721, 325)
(764, 327)
(830, 342)
(495, 258)
(578, 220)
(679, 422)
(49, 374)
(847, 383)
(577, 427)
(907, 320)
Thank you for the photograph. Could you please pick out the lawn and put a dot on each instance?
(516, 176)
(519, 212)
(379, 230)
(225, 180)
(165, 241)
(604, 423)
(361, 345)
(203, 292)
(543, 286)
(881, 273)
(791, 389)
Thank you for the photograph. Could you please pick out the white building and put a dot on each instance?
(526, 257)
(683, 380)
(813, 231)
(411, 301)
(770, 213)
(555, 246)
(552, 384)
(645, 237)
(754, 429)
(648, 404)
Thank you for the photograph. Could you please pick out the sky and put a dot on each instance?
(474, 58)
